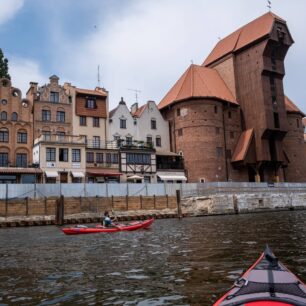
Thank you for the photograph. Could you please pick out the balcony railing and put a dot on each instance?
(119, 144)
(61, 139)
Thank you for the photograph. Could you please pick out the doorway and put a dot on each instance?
(64, 177)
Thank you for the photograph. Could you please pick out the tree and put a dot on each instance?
(3, 66)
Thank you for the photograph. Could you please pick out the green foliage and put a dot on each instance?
(3, 66)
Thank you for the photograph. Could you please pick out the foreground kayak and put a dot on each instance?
(100, 229)
(267, 283)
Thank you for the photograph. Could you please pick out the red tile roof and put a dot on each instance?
(243, 145)
(139, 111)
(198, 82)
(291, 107)
(248, 34)
(96, 92)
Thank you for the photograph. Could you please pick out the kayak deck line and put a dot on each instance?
(266, 282)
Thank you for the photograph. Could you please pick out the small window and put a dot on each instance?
(4, 116)
(3, 101)
(217, 130)
(50, 154)
(21, 160)
(276, 120)
(4, 160)
(149, 140)
(232, 135)
(216, 109)
(82, 120)
(14, 116)
(298, 123)
(178, 112)
(96, 141)
(46, 115)
(89, 157)
(46, 135)
(54, 96)
(99, 157)
(95, 121)
(180, 132)
(60, 116)
(129, 140)
(153, 124)
(60, 136)
(76, 155)
(158, 141)
(22, 137)
(63, 155)
(91, 103)
(122, 123)
(219, 152)
(4, 135)
(229, 115)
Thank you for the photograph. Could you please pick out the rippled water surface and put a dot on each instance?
(187, 262)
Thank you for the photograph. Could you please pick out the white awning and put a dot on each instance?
(51, 173)
(77, 174)
(172, 176)
(135, 177)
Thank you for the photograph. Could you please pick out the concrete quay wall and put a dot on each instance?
(236, 203)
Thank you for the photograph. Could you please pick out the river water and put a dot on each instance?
(187, 262)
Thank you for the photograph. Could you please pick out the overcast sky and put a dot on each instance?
(139, 44)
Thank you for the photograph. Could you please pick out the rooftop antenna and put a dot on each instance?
(99, 85)
(269, 5)
(137, 91)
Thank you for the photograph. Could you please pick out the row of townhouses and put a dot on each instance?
(229, 117)
(61, 133)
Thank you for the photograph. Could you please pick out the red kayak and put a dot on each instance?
(267, 283)
(100, 229)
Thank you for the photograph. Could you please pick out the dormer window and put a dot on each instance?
(54, 96)
(91, 103)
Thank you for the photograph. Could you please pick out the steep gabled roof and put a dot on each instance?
(139, 111)
(198, 82)
(246, 35)
(112, 112)
(291, 107)
(243, 145)
(96, 92)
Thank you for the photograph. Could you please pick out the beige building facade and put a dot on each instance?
(61, 158)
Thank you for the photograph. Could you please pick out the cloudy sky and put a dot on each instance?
(138, 44)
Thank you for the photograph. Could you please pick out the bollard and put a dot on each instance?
(178, 201)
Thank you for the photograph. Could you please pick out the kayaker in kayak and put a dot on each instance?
(107, 220)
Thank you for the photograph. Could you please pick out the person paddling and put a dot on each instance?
(107, 220)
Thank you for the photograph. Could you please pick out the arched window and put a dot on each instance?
(14, 116)
(4, 116)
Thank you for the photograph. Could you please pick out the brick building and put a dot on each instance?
(16, 139)
(230, 117)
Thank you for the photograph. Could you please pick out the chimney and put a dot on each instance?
(134, 108)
